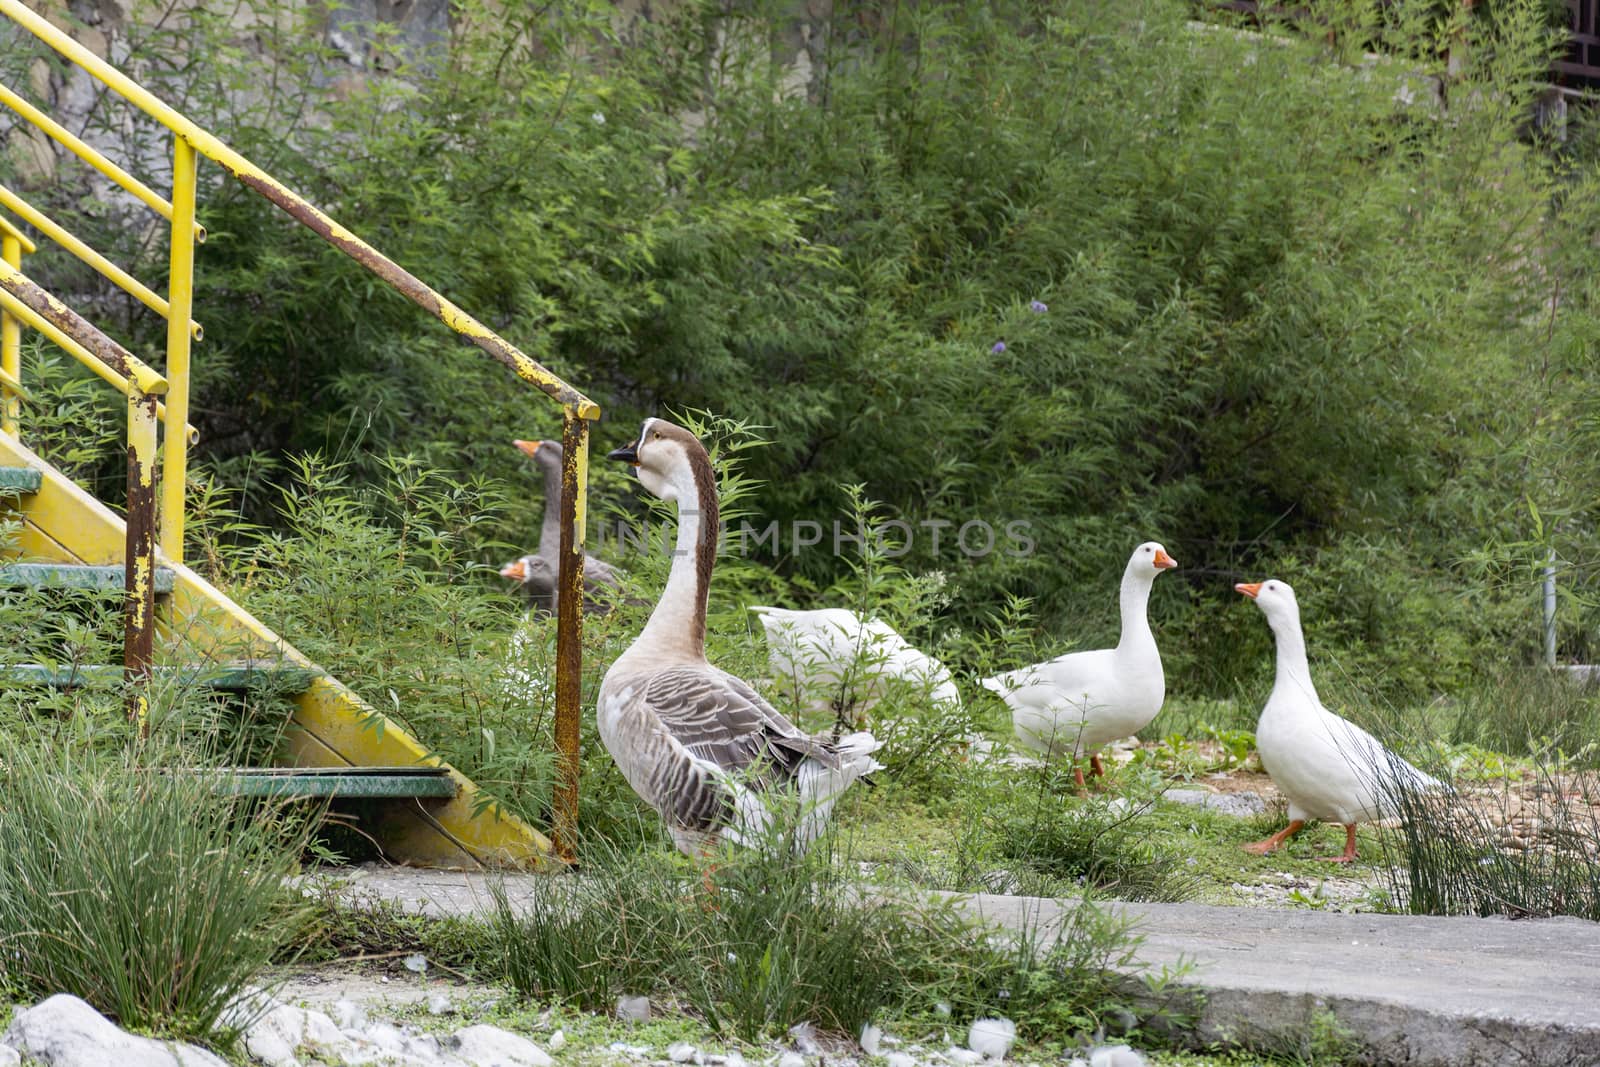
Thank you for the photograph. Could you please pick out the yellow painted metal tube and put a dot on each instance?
(83, 151)
(180, 295)
(107, 269)
(12, 305)
(569, 630)
(35, 306)
(10, 342)
(301, 209)
(8, 230)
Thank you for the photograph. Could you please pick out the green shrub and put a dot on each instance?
(132, 885)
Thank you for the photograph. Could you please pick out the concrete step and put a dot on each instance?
(1419, 990)
(18, 481)
(74, 576)
(382, 783)
(237, 676)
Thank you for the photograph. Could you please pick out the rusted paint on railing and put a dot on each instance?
(11, 249)
(407, 284)
(569, 630)
(69, 322)
(139, 563)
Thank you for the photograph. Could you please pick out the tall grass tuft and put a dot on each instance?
(140, 891)
(1493, 855)
(1040, 823)
(780, 940)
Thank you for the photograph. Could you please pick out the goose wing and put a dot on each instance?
(719, 719)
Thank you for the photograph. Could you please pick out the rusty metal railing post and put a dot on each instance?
(139, 613)
(569, 629)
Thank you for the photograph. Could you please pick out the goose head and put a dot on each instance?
(1149, 560)
(528, 569)
(1275, 599)
(669, 460)
(546, 455)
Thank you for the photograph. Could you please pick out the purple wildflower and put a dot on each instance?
(999, 347)
(1038, 307)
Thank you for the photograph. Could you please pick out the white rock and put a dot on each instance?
(490, 1046)
(633, 1009)
(992, 1038)
(440, 1004)
(416, 963)
(682, 1052)
(870, 1037)
(622, 1048)
(805, 1038)
(900, 1059)
(791, 1059)
(274, 1037)
(423, 1046)
(963, 1056)
(1115, 1056)
(322, 1035)
(9, 1057)
(349, 1015)
(557, 1042)
(64, 1031)
(942, 1009)
(386, 1037)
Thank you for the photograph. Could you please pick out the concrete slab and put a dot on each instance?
(1422, 991)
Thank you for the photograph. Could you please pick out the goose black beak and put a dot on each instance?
(628, 453)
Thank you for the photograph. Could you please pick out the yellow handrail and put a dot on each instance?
(64, 237)
(36, 307)
(89, 155)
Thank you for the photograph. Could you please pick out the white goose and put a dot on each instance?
(697, 744)
(1076, 703)
(1329, 768)
(832, 657)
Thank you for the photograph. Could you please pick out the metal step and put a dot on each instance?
(75, 576)
(15, 481)
(238, 676)
(383, 783)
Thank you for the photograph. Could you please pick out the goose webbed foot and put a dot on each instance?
(1261, 848)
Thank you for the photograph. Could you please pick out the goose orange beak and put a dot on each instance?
(1249, 589)
(1163, 560)
(528, 447)
(518, 571)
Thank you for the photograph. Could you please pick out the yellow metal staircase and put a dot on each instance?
(337, 745)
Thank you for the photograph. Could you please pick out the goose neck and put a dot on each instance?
(1294, 672)
(677, 626)
(550, 529)
(1135, 600)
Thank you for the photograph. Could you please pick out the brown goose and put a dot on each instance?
(699, 745)
(538, 579)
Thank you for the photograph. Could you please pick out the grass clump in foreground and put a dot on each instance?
(780, 940)
(142, 892)
(1456, 858)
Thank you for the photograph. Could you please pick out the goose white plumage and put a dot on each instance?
(1074, 704)
(831, 657)
(1329, 768)
(699, 745)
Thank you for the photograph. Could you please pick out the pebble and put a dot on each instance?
(64, 1031)
(900, 1059)
(870, 1038)
(964, 1056)
(440, 1004)
(416, 963)
(805, 1038)
(1115, 1056)
(683, 1052)
(557, 1042)
(490, 1046)
(633, 1009)
(791, 1059)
